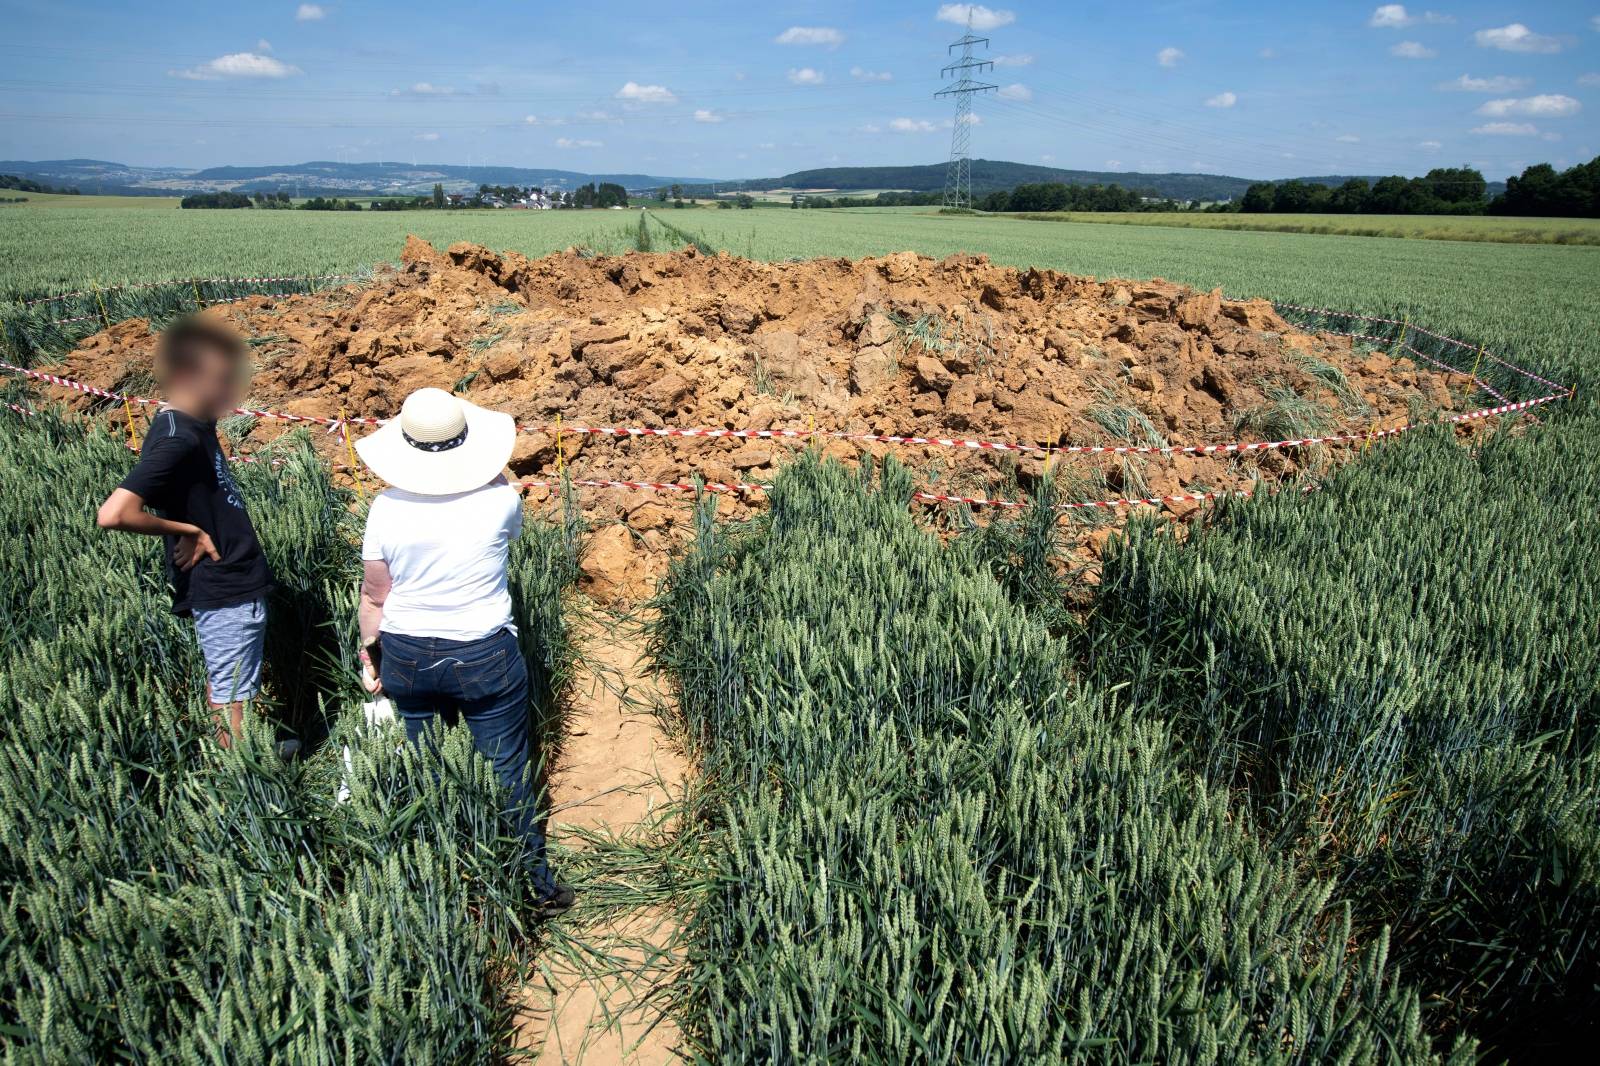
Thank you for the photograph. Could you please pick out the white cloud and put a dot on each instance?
(1114, 164)
(1518, 38)
(1595, 23)
(1430, 146)
(1047, 158)
(568, 142)
(823, 35)
(1390, 15)
(1015, 91)
(969, 119)
(862, 74)
(1545, 105)
(1222, 100)
(238, 65)
(635, 93)
(423, 88)
(1590, 81)
(982, 18)
(592, 116)
(872, 127)
(426, 137)
(1396, 17)
(1499, 83)
(1020, 59)
(703, 114)
(766, 146)
(807, 76)
(1348, 138)
(911, 125)
(263, 45)
(310, 13)
(1507, 129)
(1169, 56)
(1412, 50)
(1268, 53)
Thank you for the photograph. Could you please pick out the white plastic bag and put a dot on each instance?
(377, 713)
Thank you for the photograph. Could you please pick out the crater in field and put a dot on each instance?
(894, 345)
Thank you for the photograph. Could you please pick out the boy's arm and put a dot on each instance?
(124, 510)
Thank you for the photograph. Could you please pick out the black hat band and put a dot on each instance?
(436, 445)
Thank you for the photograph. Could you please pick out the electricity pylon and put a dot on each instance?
(958, 175)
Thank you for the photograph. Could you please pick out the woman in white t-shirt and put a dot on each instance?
(436, 631)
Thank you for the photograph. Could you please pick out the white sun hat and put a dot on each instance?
(440, 445)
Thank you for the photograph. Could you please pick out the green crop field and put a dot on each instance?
(55, 201)
(1317, 782)
(1425, 227)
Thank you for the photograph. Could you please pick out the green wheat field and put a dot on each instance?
(1318, 782)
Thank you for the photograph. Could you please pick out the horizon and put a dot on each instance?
(1198, 87)
(421, 164)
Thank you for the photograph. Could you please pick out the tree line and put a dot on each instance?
(883, 199)
(230, 201)
(1059, 196)
(1541, 190)
(12, 181)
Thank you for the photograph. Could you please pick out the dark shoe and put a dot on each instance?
(558, 902)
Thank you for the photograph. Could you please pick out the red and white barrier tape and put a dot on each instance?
(1530, 375)
(740, 488)
(175, 282)
(337, 425)
(1446, 367)
(209, 303)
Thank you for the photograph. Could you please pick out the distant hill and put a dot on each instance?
(320, 177)
(94, 176)
(326, 178)
(410, 177)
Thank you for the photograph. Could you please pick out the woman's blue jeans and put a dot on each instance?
(484, 682)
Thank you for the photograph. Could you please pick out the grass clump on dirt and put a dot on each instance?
(935, 847)
(164, 900)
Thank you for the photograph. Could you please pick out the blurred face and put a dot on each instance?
(215, 382)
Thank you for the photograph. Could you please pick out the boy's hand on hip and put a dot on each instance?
(193, 547)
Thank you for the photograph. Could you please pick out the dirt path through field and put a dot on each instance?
(598, 997)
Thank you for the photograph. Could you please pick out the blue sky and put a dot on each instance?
(1260, 89)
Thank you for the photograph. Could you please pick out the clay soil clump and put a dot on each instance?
(900, 344)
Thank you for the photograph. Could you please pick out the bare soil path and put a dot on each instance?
(606, 968)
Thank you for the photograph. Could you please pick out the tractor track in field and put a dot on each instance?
(604, 972)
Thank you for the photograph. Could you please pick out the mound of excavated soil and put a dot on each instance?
(901, 344)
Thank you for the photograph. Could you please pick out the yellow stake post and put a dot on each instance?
(1473, 377)
(133, 436)
(561, 457)
(199, 301)
(1405, 328)
(350, 452)
(101, 300)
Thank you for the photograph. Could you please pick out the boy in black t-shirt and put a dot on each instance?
(218, 572)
